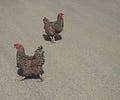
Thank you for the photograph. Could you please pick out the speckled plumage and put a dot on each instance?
(54, 28)
(30, 65)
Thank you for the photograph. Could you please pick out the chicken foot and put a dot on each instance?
(52, 39)
(41, 78)
(21, 78)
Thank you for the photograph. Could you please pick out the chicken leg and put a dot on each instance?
(52, 39)
(41, 78)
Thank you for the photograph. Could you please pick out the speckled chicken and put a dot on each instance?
(55, 27)
(32, 66)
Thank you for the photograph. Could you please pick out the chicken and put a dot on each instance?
(54, 28)
(30, 65)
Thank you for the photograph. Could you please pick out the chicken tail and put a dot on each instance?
(39, 54)
(45, 20)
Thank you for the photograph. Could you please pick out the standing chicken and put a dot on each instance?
(30, 65)
(54, 28)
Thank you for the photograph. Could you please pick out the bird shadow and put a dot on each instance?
(20, 73)
(47, 37)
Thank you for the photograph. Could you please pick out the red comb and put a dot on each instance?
(17, 46)
(61, 15)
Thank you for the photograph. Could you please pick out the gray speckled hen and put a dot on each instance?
(30, 65)
(55, 27)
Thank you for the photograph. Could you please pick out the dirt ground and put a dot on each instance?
(83, 65)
